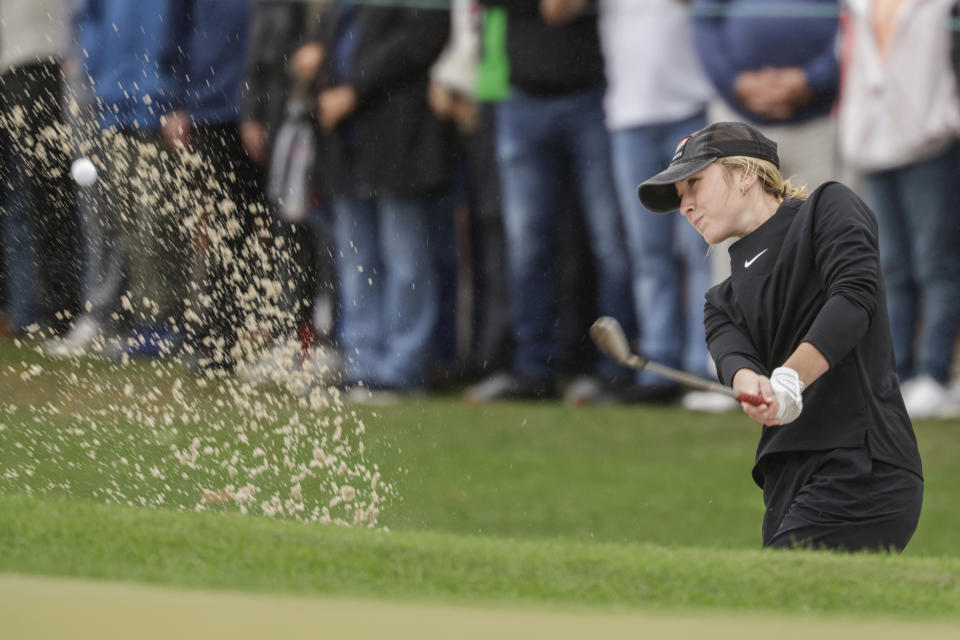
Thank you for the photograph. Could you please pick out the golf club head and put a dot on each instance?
(609, 337)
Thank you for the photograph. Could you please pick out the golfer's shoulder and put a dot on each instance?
(835, 205)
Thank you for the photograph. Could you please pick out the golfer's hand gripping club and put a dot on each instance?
(609, 337)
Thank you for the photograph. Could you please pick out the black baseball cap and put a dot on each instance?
(698, 151)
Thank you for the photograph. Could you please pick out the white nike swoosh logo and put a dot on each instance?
(747, 263)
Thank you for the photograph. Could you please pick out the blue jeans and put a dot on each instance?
(388, 289)
(535, 137)
(918, 210)
(18, 253)
(670, 268)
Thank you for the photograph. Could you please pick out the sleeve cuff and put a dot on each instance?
(729, 366)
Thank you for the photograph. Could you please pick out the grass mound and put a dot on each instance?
(223, 551)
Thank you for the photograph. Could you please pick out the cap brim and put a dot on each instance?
(658, 194)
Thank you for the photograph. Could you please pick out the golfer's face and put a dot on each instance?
(705, 203)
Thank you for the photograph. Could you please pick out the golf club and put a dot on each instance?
(609, 337)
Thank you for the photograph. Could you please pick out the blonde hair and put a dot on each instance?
(770, 178)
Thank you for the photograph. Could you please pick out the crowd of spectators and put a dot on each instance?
(389, 198)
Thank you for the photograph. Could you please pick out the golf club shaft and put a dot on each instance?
(689, 380)
(609, 337)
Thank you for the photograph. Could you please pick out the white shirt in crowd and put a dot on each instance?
(653, 71)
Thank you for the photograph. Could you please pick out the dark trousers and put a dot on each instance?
(231, 234)
(839, 499)
(492, 318)
(37, 198)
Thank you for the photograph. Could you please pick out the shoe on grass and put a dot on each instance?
(924, 397)
(708, 402)
(80, 338)
(509, 386)
(149, 341)
(951, 404)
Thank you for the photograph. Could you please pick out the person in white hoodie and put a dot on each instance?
(899, 121)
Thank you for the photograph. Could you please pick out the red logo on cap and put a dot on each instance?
(680, 146)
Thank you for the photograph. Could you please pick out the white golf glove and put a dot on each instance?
(787, 388)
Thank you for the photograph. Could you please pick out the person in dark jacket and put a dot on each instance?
(38, 225)
(384, 159)
(551, 132)
(279, 133)
(802, 321)
(227, 186)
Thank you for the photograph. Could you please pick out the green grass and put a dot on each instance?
(609, 506)
(52, 536)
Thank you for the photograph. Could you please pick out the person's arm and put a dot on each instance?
(257, 63)
(414, 44)
(86, 21)
(806, 361)
(708, 27)
(822, 73)
(257, 67)
(847, 260)
(730, 348)
(173, 77)
(738, 363)
(557, 13)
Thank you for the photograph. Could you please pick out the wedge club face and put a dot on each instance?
(609, 337)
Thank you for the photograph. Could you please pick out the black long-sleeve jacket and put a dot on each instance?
(811, 273)
(393, 144)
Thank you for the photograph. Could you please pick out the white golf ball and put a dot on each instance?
(83, 172)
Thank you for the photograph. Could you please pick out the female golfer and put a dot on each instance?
(802, 320)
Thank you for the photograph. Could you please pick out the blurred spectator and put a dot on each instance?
(384, 160)
(474, 325)
(134, 64)
(450, 96)
(658, 94)
(103, 255)
(39, 227)
(899, 123)
(204, 125)
(493, 344)
(279, 132)
(775, 67)
(550, 129)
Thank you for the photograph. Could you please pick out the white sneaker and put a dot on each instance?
(323, 365)
(708, 402)
(287, 364)
(924, 397)
(275, 366)
(951, 405)
(78, 339)
(372, 398)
